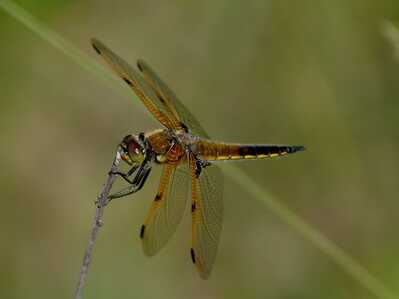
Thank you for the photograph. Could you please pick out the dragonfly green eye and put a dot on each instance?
(132, 152)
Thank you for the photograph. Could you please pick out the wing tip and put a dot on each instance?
(95, 43)
(192, 253)
(147, 251)
(139, 64)
(142, 230)
(203, 274)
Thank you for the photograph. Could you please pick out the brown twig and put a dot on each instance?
(101, 202)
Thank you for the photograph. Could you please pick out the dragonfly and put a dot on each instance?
(188, 158)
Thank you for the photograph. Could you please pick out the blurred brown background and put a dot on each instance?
(317, 73)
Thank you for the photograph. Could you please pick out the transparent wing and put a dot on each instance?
(174, 106)
(207, 216)
(167, 208)
(140, 86)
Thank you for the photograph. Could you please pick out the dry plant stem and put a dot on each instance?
(340, 257)
(101, 202)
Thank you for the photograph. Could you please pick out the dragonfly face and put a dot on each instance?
(188, 159)
(132, 151)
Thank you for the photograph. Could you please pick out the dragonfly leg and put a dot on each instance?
(199, 164)
(135, 185)
(122, 193)
(141, 175)
(144, 179)
(126, 176)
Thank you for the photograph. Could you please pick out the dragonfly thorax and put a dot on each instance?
(165, 146)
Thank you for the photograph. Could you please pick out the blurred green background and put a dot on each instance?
(318, 73)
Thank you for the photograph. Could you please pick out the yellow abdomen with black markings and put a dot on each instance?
(219, 151)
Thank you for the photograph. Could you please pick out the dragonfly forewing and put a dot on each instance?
(167, 208)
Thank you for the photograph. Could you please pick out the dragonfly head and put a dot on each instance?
(132, 150)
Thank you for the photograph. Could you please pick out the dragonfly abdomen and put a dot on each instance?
(216, 151)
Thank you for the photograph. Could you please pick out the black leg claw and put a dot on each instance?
(199, 164)
(135, 185)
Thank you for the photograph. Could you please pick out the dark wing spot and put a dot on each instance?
(161, 99)
(193, 207)
(142, 231)
(158, 197)
(127, 81)
(185, 128)
(96, 49)
(192, 255)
